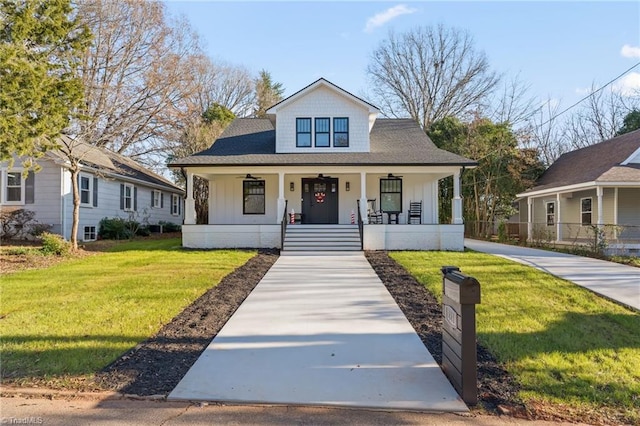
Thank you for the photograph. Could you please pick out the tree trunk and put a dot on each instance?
(75, 172)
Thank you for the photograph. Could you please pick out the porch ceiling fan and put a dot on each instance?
(392, 176)
(319, 176)
(249, 176)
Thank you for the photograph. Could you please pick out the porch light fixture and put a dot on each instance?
(292, 186)
(348, 186)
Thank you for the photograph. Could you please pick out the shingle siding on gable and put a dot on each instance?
(322, 102)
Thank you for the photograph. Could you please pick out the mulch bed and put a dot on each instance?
(156, 366)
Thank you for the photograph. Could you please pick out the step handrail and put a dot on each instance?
(283, 225)
(360, 224)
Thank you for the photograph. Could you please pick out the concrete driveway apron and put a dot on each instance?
(615, 281)
(320, 329)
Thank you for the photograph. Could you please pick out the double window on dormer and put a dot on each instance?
(316, 132)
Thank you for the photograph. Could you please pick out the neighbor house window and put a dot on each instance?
(156, 199)
(585, 211)
(341, 132)
(85, 190)
(14, 188)
(127, 197)
(253, 196)
(323, 132)
(551, 213)
(391, 195)
(175, 204)
(303, 132)
(89, 233)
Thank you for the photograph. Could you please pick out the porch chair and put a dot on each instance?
(374, 216)
(415, 212)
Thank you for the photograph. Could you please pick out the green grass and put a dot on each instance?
(75, 318)
(563, 343)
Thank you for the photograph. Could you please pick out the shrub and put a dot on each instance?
(169, 226)
(39, 228)
(15, 223)
(114, 228)
(54, 244)
(143, 231)
(503, 236)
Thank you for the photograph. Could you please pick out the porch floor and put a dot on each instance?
(320, 329)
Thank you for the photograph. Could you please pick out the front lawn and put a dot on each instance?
(74, 318)
(569, 348)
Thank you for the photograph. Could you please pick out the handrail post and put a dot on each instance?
(360, 225)
(283, 225)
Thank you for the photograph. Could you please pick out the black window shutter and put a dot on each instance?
(135, 199)
(179, 205)
(30, 188)
(161, 200)
(122, 196)
(95, 192)
(152, 194)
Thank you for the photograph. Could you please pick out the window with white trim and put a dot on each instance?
(89, 233)
(551, 213)
(586, 211)
(86, 189)
(156, 197)
(175, 204)
(127, 197)
(14, 188)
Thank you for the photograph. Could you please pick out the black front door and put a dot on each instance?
(320, 200)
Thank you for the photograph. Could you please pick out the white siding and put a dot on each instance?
(323, 102)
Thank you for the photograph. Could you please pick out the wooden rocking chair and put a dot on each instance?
(374, 216)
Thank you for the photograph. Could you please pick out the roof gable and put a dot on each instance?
(599, 162)
(321, 82)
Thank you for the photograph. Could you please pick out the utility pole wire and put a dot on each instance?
(588, 96)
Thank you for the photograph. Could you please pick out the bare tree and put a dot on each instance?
(512, 103)
(137, 75)
(545, 133)
(430, 73)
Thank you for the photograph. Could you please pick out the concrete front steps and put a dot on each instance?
(317, 238)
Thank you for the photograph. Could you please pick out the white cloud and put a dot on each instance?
(628, 85)
(583, 90)
(629, 51)
(379, 19)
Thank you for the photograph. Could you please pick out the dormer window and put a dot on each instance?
(340, 132)
(323, 139)
(303, 132)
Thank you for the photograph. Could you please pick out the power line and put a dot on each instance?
(588, 96)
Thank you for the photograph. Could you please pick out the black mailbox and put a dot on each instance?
(460, 294)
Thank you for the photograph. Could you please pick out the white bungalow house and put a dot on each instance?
(110, 185)
(597, 186)
(323, 172)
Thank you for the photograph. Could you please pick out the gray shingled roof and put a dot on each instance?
(252, 141)
(113, 162)
(595, 163)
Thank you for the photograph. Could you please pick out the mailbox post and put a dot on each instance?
(460, 294)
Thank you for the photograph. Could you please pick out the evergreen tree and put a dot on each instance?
(268, 94)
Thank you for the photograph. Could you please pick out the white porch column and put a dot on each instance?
(435, 196)
(189, 203)
(615, 213)
(457, 200)
(529, 218)
(599, 192)
(363, 197)
(212, 198)
(558, 219)
(281, 200)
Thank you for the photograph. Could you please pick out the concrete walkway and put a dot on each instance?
(615, 281)
(320, 330)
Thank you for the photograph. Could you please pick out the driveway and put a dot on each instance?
(320, 329)
(615, 281)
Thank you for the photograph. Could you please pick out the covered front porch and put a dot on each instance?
(252, 206)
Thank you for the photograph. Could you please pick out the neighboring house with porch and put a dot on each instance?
(110, 185)
(597, 186)
(324, 161)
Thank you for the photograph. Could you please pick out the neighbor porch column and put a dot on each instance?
(457, 200)
(363, 197)
(615, 213)
(558, 219)
(599, 192)
(529, 218)
(281, 200)
(189, 203)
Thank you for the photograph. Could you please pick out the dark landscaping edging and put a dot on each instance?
(155, 366)
(497, 389)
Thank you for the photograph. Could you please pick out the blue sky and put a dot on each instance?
(559, 48)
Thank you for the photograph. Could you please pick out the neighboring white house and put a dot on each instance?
(111, 185)
(324, 154)
(594, 186)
